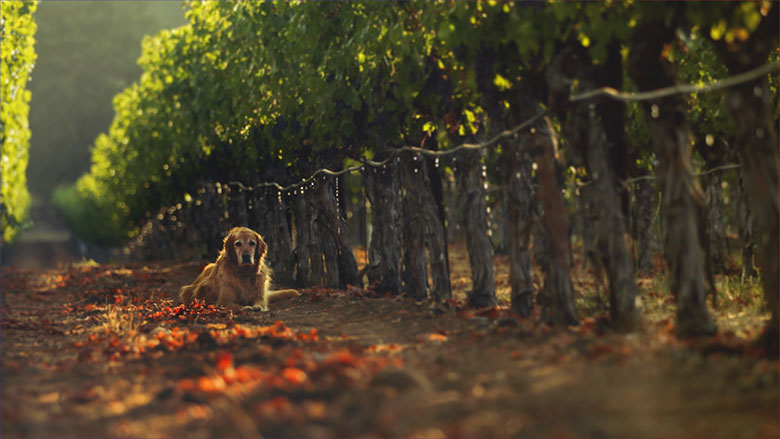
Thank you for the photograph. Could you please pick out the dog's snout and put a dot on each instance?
(246, 258)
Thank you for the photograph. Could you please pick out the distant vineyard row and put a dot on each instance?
(253, 92)
(271, 91)
(17, 30)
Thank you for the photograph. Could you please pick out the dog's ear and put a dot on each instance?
(228, 246)
(262, 248)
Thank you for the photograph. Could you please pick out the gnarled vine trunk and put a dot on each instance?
(745, 224)
(682, 197)
(521, 211)
(384, 252)
(422, 227)
(471, 188)
(282, 253)
(641, 224)
(308, 251)
(315, 250)
(210, 229)
(557, 297)
(749, 106)
(518, 197)
(586, 132)
(267, 214)
(714, 240)
(415, 275)
(343, 262)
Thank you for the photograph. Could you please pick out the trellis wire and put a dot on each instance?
(698, 174)
(678, 89)
(605, 91)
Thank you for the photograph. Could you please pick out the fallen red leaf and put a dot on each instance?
(186, 384)
(224, 360)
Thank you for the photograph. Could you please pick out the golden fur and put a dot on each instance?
(239, 276)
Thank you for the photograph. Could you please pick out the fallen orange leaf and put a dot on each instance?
(393, 347)
(211, 384)
(224, 360)
(294, 375)
(242, 374)
(340, 357)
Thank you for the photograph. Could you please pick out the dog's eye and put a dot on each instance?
(251, 243)
(238, 243)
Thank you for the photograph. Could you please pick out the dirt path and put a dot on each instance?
(47, 244)
(101, 351)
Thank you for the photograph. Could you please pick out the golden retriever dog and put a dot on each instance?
(239, 276)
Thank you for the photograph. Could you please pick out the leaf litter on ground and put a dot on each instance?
(104, 350)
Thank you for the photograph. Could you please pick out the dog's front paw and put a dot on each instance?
(255, 308)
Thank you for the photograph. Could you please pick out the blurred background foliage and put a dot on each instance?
(17, 37)
(87, 53)
(328, 81)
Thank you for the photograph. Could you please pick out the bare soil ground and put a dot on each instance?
(103, 351)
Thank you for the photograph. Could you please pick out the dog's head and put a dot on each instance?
(245, 247)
